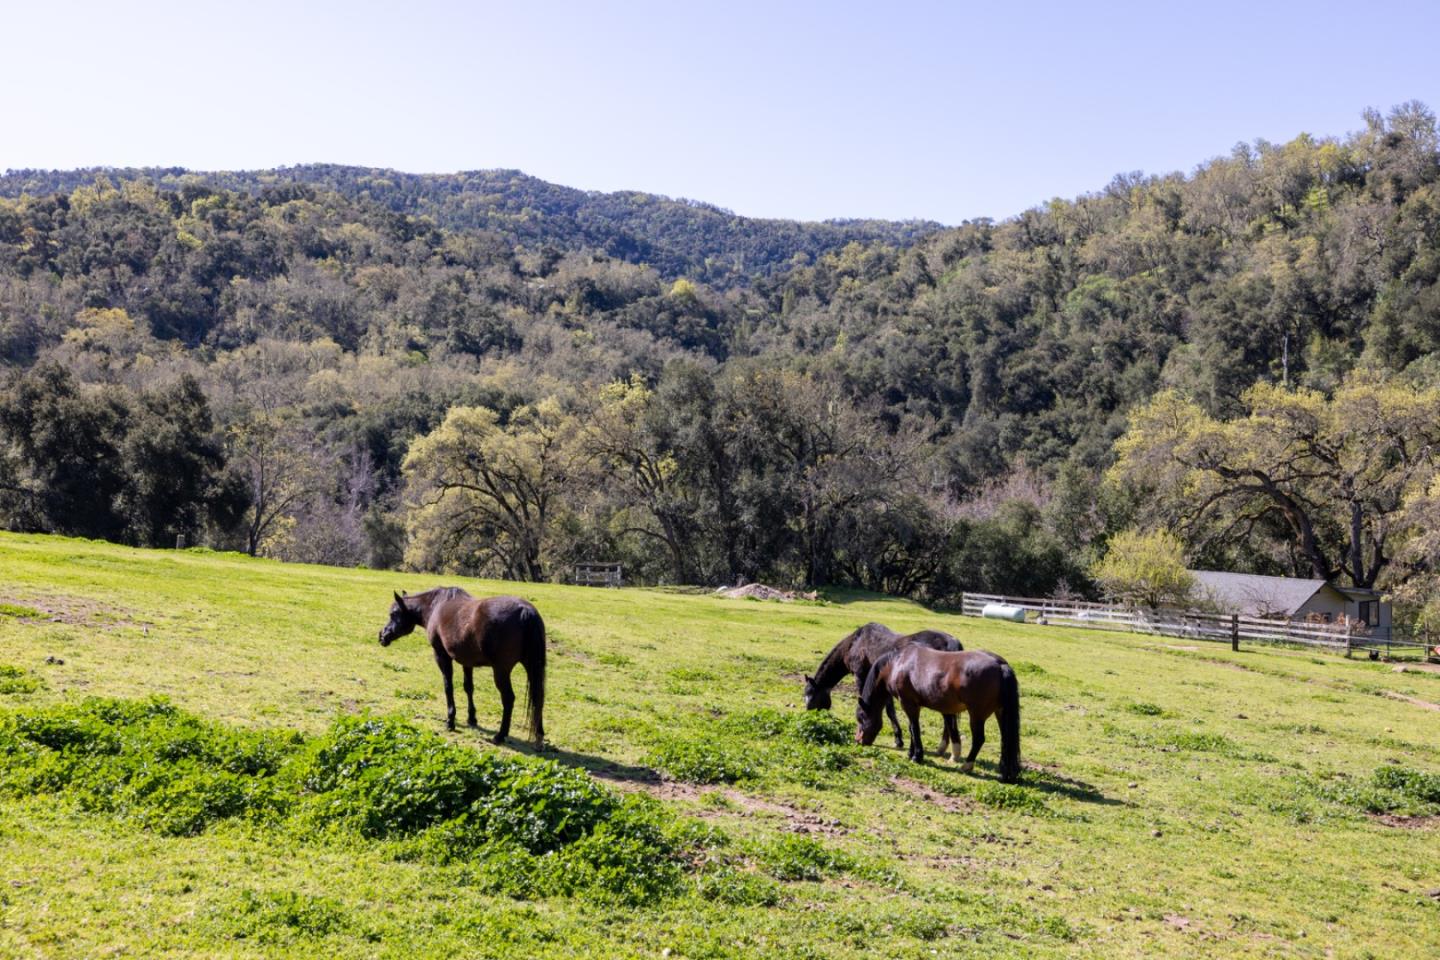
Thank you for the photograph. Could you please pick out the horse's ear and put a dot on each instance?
(809, 680)
(399, 598)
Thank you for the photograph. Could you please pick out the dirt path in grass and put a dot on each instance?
(929, 794)
(1414, 701)
(736, 804)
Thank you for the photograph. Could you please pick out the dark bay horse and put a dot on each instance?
(977, 681)
(497, 632)
(857, 652)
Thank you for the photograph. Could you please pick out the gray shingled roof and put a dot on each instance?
(1253, 595)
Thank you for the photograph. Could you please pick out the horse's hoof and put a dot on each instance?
(472, 723)
(498, 739)
(967, 768)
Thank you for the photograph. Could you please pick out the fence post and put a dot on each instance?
(1235, 632)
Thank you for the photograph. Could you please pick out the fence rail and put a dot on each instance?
(1200, 625)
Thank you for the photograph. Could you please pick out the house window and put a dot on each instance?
(1365, 613)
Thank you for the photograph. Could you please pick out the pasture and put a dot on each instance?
(1178, 799)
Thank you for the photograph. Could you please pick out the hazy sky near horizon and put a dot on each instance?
(943, 111)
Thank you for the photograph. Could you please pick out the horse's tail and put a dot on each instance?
(532, 658)
(1009, 717)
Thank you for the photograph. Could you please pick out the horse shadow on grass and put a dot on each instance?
(1042, 780)
(602, 768)
(1071, 788)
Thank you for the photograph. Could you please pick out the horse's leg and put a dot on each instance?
(470, 696)
(507, 700)
(951, 738)
(447, 670)
(895, 722)
(977, 739)
(917, 749)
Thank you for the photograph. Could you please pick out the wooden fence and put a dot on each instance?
(1198, 625)
(598, 574)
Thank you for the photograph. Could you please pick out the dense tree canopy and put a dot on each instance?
(1324, 480)
(891, 406)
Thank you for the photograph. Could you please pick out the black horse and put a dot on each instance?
(497, 632)
(858, 652)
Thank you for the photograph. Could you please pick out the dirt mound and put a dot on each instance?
(759, 591)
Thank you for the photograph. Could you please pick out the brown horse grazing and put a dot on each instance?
(498, 632)
(857, 652)
(974, 680)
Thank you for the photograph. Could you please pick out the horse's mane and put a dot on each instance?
(832, 669)
(867, 695)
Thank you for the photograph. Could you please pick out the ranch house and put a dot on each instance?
(1289, 598)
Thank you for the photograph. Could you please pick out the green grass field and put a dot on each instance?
(1179, 799)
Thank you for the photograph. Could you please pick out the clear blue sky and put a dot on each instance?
(944, 111)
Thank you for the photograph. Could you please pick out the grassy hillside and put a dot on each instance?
(1179, 799)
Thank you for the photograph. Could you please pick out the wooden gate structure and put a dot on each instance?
(598, 574)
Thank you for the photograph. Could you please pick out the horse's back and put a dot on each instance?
(506, 611)
(866, 645)
(481, 631)
(969, 662)
(954, 676)
(934, 639)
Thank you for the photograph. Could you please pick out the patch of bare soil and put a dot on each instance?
(931, 795)
(1416, 668)
(944, 861)
(1406, 823)
(74, 611)
(759, 591)
(796, 820)
(1415, 701)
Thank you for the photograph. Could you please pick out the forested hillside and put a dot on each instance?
(676, 237)
(489, 374)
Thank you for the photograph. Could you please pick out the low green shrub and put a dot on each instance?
(816, 727)
(701, 761)
(272, 919)
(1388, 789)
(820, 727)
(1009, 796)
(796, 857)
(728, 883)
(529, 826)
(16, 680)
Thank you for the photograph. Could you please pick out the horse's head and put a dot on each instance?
(816, 696)
(869, 718)
(402, 621)
(874, 697)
